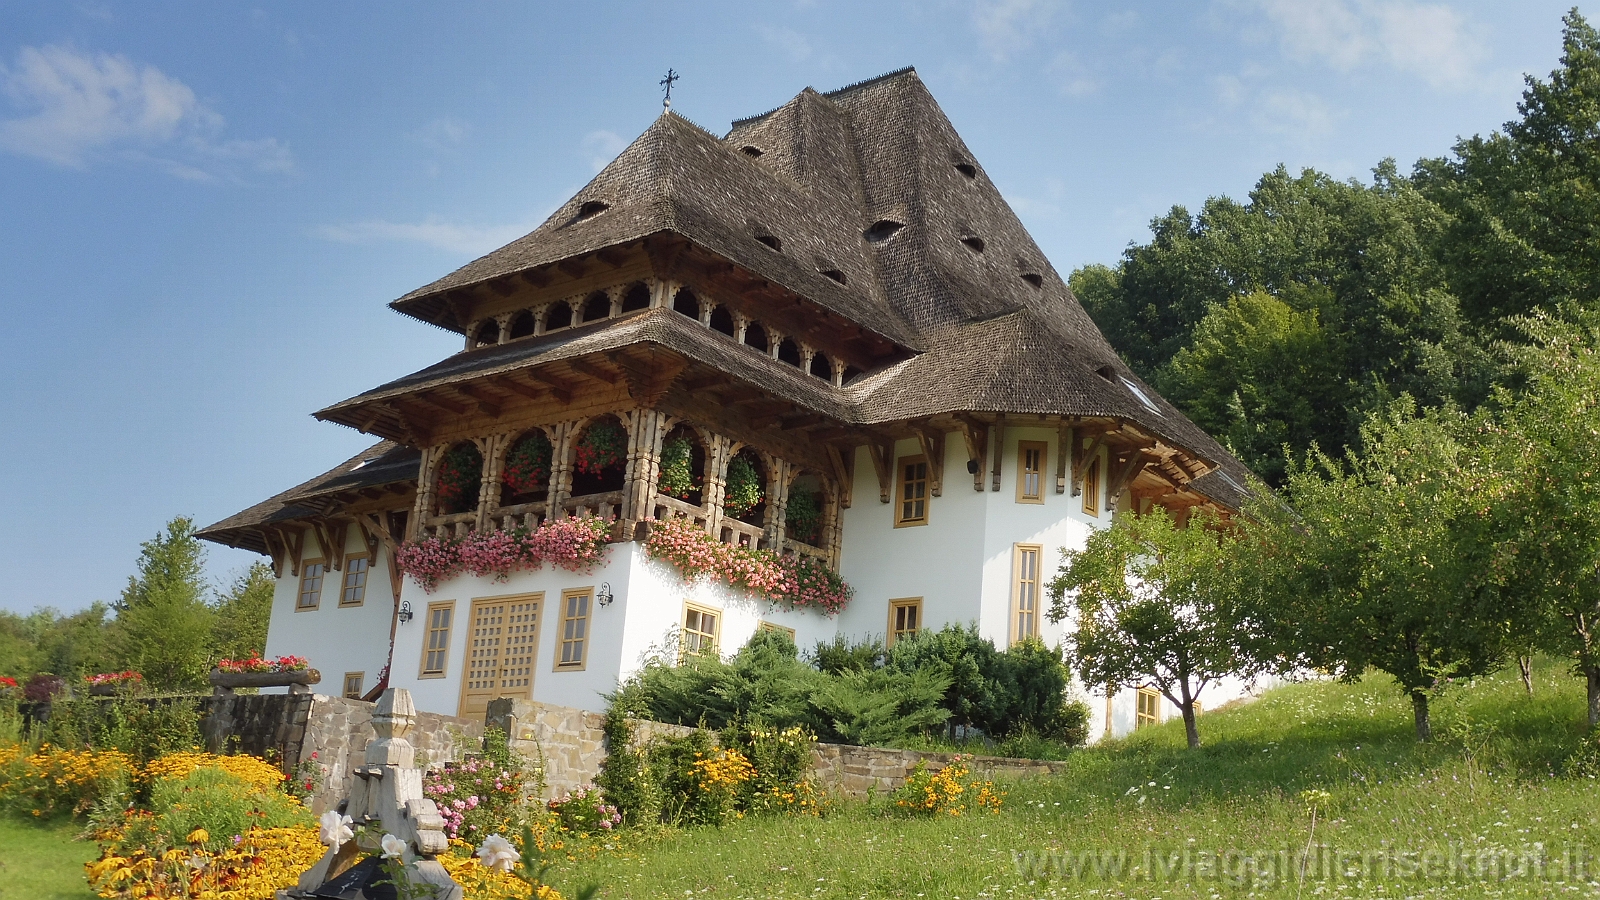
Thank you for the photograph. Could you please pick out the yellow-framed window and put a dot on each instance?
(354, 591)
(575, 606)
(701, 626)
(905, 618)
(312, 573)
(436, 641)
(1030, 471)
(774, 626)
(1025, 591)
(1091, 486)
(1147, 708)
(911, 479)
(354, 682)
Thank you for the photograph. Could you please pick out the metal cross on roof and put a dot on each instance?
(667, 83)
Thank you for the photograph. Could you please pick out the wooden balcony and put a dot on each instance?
(607, 506)
(741, 534)
(455, 525)
(801, 548)
(527, 516)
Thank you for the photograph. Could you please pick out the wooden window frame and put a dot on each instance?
(891, 634)
(1142, 719)
(1017, 582)
(300, 589)
(361, 685)
(563, 616)
(715, 633)
(1092, 487)
(764, 625)
(1023, 472)
(427, 631)
(344, 576)
(900, 482)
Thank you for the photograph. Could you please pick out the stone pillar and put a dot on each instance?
(562, 438)
(647, 429)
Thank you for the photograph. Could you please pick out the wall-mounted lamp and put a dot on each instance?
(603, 596)
(405, 613)
(972, 467)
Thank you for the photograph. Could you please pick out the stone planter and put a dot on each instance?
(223, 684)
(114, 689)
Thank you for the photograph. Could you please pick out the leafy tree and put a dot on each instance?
(1159, 604)
(242, 613)
(46, 641)
(1391, 557)
(1524, 202)
(163, 622)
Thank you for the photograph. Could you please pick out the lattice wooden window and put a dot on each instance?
(1030, 471)
(436, 643)
(354, 591)
(905, 618)
(912, 478)
(1025, 591)
(574, 629)
(700, 629)
(312, 573)
(1091, 488)
(353, 683)
(1147, 710)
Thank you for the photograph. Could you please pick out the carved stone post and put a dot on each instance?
(647, 428)
(562, 438)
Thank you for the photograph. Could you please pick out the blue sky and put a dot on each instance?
(205, 206)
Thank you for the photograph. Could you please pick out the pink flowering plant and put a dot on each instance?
(577, 544)
(479, 796)
(585, 811)
(785, 580)
(255, 663)
(129, 677)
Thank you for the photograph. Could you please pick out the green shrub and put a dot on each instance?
(143, 729)
(221, 804)
(842, 655)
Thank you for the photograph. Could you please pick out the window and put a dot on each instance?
(912, 508)
(1091, 488)
(355, 581)
(773, 626)
(311, 574)
(700, 629)
(574, 628)
(1025, 591)
(1030, 471)
(1148, 710)
(353, 684)
(436, 644)
(905, 617)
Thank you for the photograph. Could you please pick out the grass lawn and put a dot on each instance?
(1489, 782)
(42, 861)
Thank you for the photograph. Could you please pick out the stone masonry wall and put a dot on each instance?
(857, 771)
(338, 729)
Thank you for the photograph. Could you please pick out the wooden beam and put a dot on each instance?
(572, 267)
(705, 382)
(275, 549)
(593, 371)
(933, 448)
(1080, 463)
(537, 277)
(976, 435)
(503, 287)
(559, 389)
(843, 473)
(448, 406)
(882, 463)
(297, 547)
(521, 389)
(648, 383)
(999, 446)
(487, 403)
(612, 258)
(1063, 457)
(1136, 463)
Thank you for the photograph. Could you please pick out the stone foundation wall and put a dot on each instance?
(337, 730)
(858, 771)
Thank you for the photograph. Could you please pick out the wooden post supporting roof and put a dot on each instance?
(843, 473)
(1081, 462)
(933, 448)
(976, 434)
(1063, 457)
(883, 462)
(999, 447)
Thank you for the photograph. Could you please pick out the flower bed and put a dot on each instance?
(575, 544)
(792, 581)
(257, 664)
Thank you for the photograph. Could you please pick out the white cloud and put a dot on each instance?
(791, 43)
(602, 147)
(473, 240)
(1006, 26)
(1294, 114)
(441, 134)
(87, 106)
(1071, 76)
(1429, 40)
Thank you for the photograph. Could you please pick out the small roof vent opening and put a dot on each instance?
(1143, 397)
(834, 274)
(590, 209)
(967, 169)
(1106, 372)
(973, 242)
(1033, 278)
(770, 241)
(751, 151)
(882, 230)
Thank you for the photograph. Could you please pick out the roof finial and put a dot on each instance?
(666, 104)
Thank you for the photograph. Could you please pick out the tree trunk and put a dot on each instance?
(1592, 676)
(1186, 704)
(1419, 708)
(1525, 665)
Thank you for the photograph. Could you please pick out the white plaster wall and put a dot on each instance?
(1124, 704)
(333, 639)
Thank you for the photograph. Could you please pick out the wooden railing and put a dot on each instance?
(740, 534)
(663, 507)
(522, 515)
(454, 525)
(801, 548)
(607, 506)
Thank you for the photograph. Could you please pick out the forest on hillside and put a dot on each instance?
(1286, 320)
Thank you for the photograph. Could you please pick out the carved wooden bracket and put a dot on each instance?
(843, 473)
(1063, 457)
(883, 462)
(976, 434)
(999, 447)
(933, 448)
(1081, 459)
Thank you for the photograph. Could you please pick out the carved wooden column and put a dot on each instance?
(647, 428)
(493, 449)
(714, 492)
(780, 475)
(425, 479)
(562, 436)
(661, 294)
(832, 525)
(616, 295)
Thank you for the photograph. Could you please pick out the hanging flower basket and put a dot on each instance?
(745, 490)
(604, 444)
(677, 469)
(790, 581)
(528, 464)
(577, 544)
(460, 478)
(803, 516)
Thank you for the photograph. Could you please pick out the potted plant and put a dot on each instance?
(528, 464)
(745, 490)
(604, 444)
(460, 478)
(677, 468)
